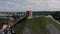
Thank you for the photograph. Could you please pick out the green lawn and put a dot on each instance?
(36, 25)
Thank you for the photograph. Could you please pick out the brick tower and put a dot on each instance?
(29, 14)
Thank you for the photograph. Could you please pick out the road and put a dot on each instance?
(52, 29)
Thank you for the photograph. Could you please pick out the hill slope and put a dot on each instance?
(35, 25)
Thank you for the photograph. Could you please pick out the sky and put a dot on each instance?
(34, 5)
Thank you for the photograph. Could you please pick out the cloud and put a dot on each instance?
(24, 5)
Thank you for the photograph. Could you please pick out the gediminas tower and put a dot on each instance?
(29, 14)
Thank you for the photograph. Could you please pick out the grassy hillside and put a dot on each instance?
(54, 23)
(35, 25)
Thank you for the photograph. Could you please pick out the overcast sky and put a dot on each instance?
(34, 5)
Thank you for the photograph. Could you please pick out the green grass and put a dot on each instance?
(54, 23)
(36, 25)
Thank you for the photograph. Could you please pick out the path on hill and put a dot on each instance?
(26, 31)
(52, 29)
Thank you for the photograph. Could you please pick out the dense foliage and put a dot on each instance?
(56, 15)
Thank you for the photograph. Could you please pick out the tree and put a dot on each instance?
(15, 16)
(56, 15)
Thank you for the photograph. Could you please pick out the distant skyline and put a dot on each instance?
(34, 5)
